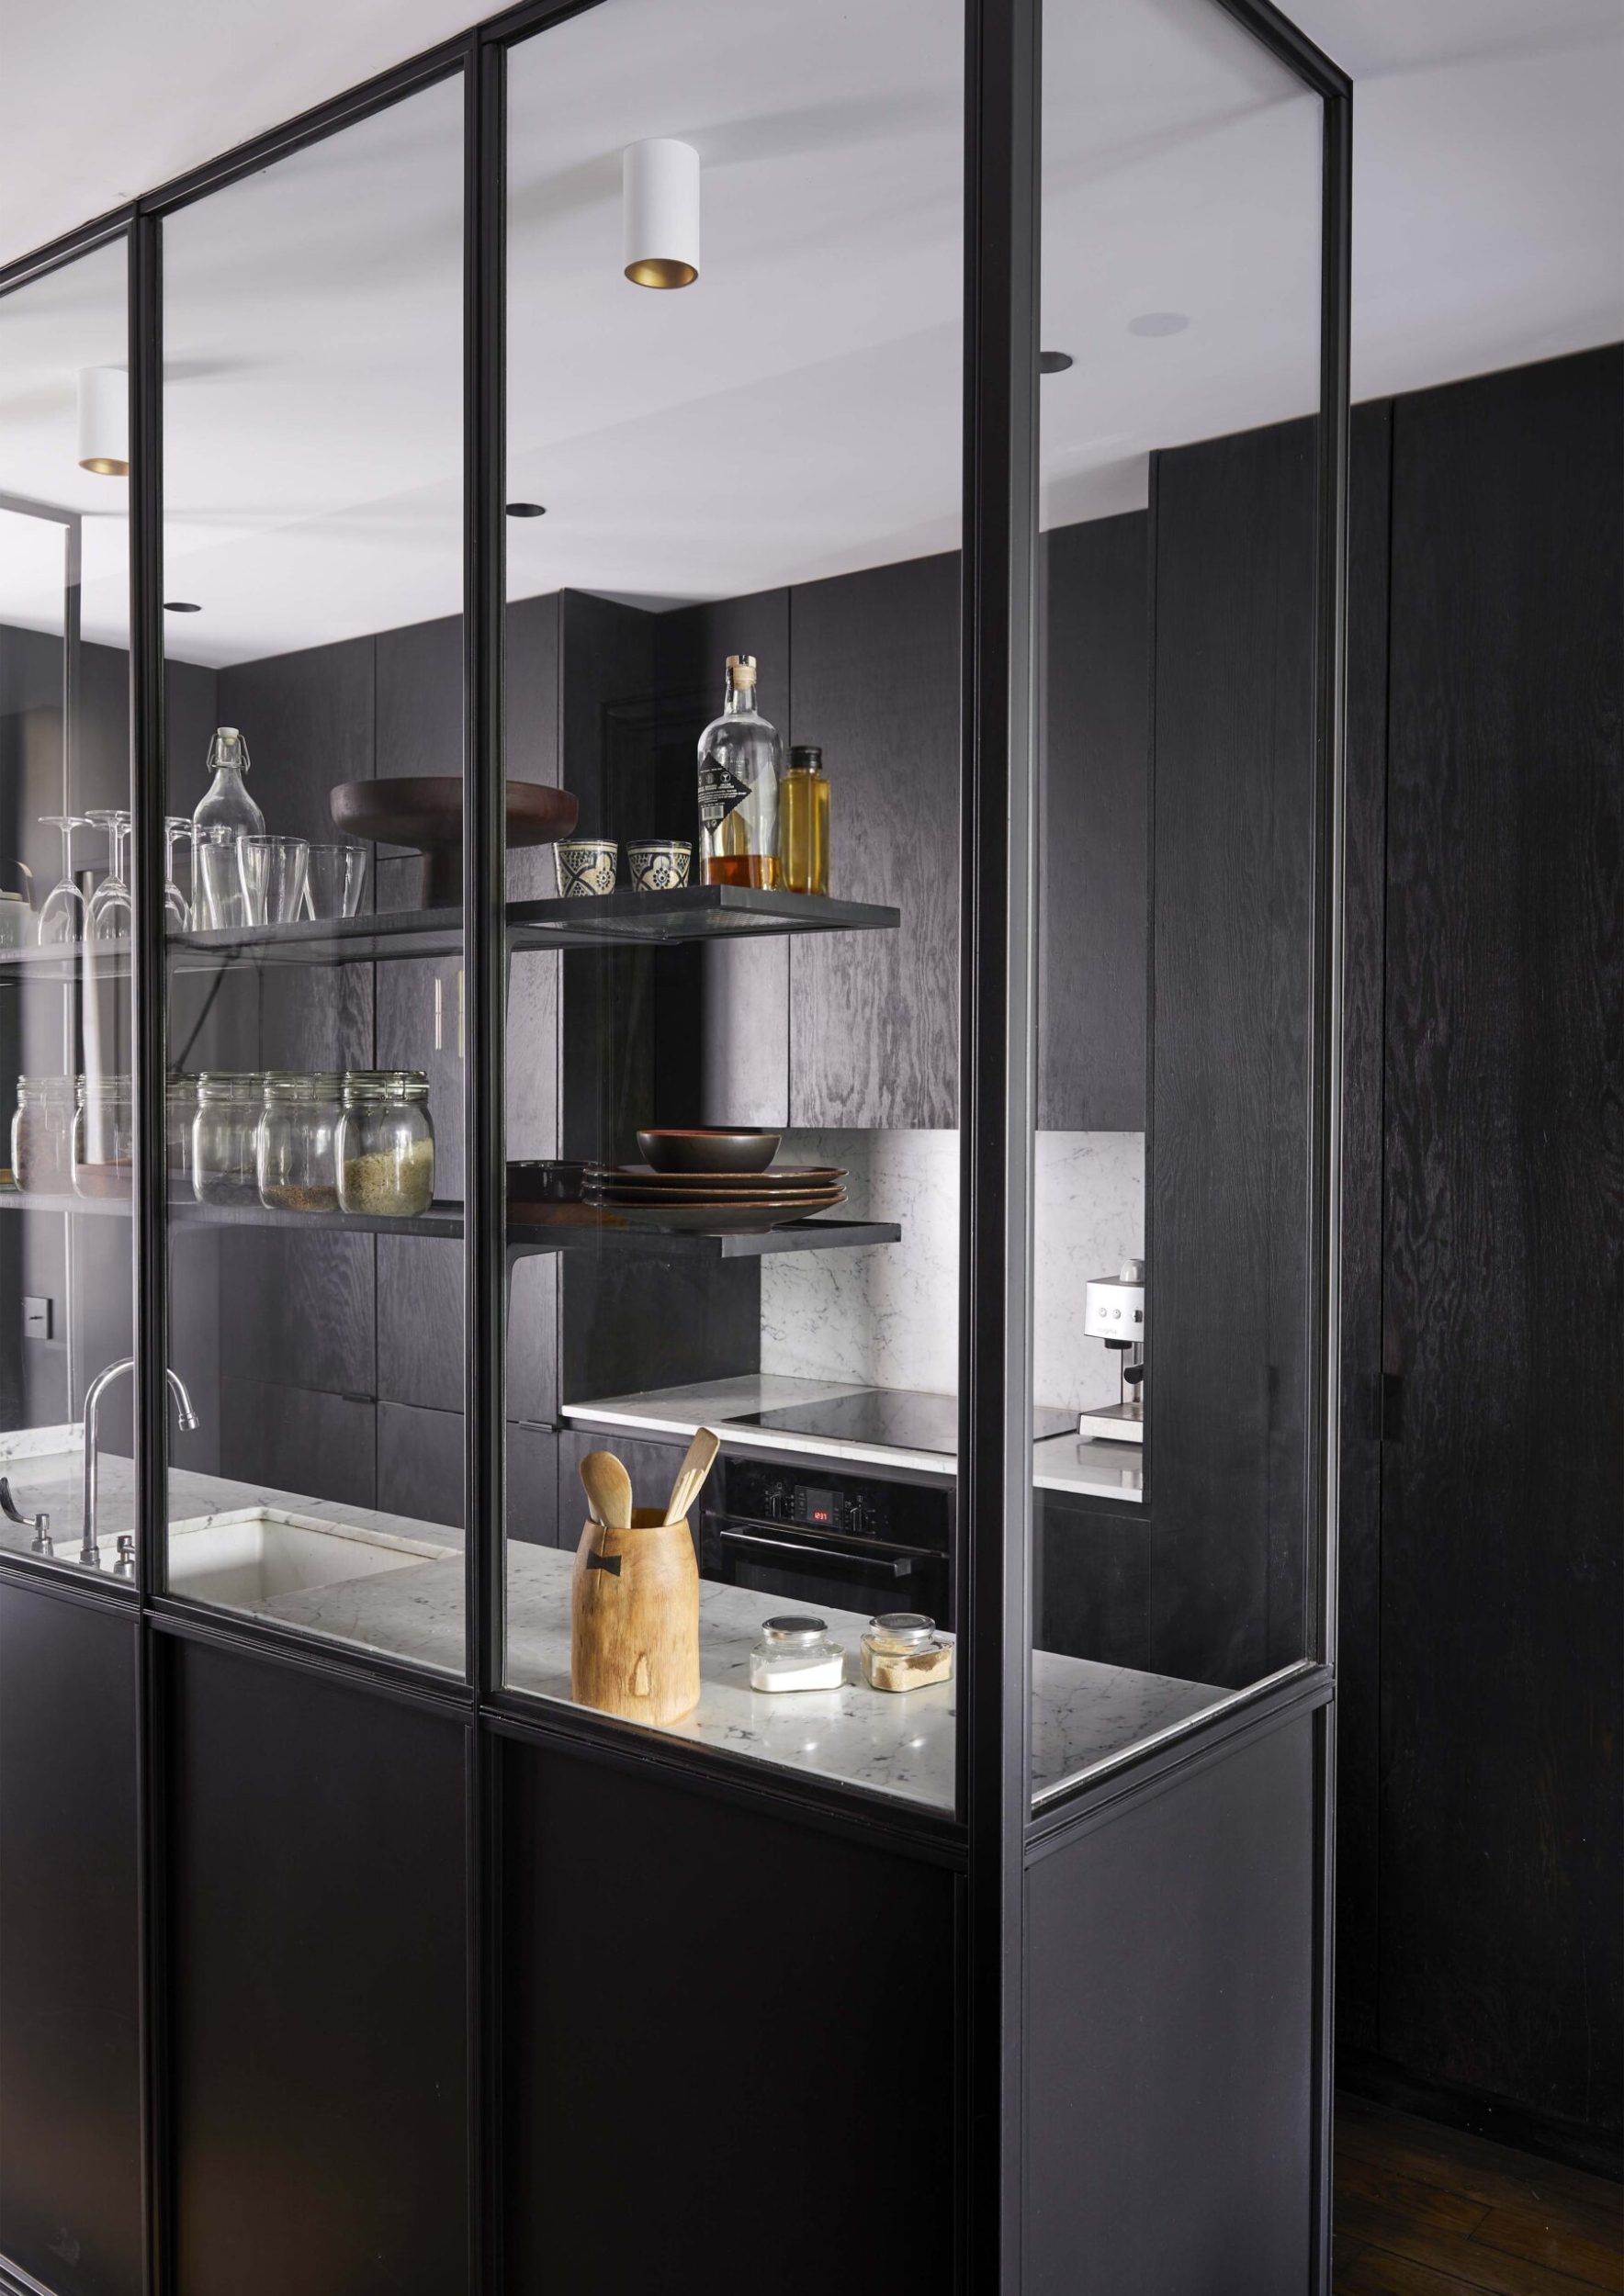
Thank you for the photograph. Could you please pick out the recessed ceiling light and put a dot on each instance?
(180, 605)
(1158, 323)
(1054, 362)
(526, 509)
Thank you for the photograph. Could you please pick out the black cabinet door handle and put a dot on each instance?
(1392, 1406)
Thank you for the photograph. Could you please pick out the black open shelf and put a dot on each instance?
(610, 920)
(567, 1228)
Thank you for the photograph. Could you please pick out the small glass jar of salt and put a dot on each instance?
(796, 1654)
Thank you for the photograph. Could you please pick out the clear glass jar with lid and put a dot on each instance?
(103, 1137)
(902, 1650)
(42, 1135)
(225, 1158)
(386, 1144)
(180, 1116)
(796, 1653)
(298, 1149)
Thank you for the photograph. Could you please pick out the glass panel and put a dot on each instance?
(312, 407)
(66, 1265)
(1175, 927)
(762, 463)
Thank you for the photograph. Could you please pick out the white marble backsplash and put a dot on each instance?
(888, 1317)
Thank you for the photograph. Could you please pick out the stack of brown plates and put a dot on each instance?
(713, 1203)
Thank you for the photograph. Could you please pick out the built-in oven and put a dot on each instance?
(806, 1538)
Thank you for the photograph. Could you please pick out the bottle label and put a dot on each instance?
(720, 790)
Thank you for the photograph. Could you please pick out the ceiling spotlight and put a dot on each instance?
(180, 605)
(526, 509)
(1054, 362)
(1158, 323)
(661, 180)
(103, 422)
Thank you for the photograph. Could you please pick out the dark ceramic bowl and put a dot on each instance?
(424, 811)
(710, 1151)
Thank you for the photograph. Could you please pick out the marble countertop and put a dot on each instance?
(1063, 1462)
(903, 1746)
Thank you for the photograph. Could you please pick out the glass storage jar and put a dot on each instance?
(180, 1115)
(103, 1137)
(902, 1650)
(796, 1654)
(298, 1140)
(386, 1144)
(42, 1135)
(225, 1162)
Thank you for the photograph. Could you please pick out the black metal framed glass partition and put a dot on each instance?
(1177, 1299)
(712, 697)
(65, 785)
(314, 792)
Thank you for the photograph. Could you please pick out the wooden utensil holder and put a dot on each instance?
(633, 1619)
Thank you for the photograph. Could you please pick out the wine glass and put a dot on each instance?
(110, 915)
(61, 913)
(177, 907)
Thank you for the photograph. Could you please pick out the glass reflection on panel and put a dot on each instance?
(66, 1265)
(313, 408)
(735, 397)
(1178, 400)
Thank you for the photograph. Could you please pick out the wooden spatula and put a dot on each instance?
(608, 1489)
(697, 1462)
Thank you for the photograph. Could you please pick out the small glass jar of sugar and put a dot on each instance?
(796, 1654)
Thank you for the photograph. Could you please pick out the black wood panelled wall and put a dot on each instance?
(1499, 1970)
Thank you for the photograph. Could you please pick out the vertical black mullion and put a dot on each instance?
(1325, 1131)
(485, 946)
(997, 1099)
(152, 1350)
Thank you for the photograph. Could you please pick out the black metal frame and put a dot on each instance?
(994, 1833)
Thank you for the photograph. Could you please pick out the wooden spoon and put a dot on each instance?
(697, 1462)
(608, 1489)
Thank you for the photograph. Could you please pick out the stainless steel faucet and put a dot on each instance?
(90, 1553)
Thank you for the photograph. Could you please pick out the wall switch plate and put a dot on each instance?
(37, 1319)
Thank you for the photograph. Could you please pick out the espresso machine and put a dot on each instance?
(1113, 1310)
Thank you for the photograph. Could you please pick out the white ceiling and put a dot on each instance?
(796, 412)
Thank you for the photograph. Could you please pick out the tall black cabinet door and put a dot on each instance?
(1501, 1623)
(1093, 839)
(874, 1017)
(70, 2055)
(317, 1975)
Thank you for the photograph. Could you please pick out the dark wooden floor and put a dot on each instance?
(1424, 2210)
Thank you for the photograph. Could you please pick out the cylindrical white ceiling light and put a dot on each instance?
(661, 179)
(103, 422)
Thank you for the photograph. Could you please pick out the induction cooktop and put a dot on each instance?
(890, 1418)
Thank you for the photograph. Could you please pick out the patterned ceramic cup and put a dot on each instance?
(585, 865)
(658, 863)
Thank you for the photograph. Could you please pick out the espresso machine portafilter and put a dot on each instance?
(1113, 1310)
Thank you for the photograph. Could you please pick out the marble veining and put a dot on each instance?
(889, 1316)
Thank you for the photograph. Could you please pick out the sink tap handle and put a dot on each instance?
(125, 1566)
(38, 1524)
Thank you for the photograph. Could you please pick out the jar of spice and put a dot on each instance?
(42, 1135)
(386, 1144)
(902, 1650)
(225, 1164)
(796, 1654)
(179, 1118)
(298, 1150)
(103, 1137)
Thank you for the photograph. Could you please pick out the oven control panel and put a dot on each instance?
(848, 1506)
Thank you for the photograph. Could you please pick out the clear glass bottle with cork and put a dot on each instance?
(738, 760)
(803, 823)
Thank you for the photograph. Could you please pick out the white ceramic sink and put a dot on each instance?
(255, 1555)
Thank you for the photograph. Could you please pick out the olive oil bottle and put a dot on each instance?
(803, 823)
(738, 759)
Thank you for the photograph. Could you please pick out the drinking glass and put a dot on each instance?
(178, 909)
(61, 913)
(110, 916)
(217, 882)
(272, 871)
(334, 880)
